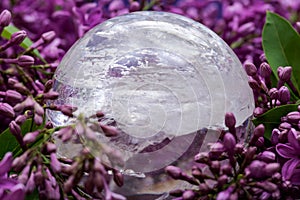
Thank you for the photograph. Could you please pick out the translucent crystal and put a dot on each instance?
(164, 80)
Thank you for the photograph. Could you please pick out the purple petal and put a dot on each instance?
(6, 163)
(295, 179)
(289, 167)
(292, 138)
(286, 151)
(7, 183)
(17, 193)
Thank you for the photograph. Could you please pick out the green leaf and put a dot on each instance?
(281, 44)
(9, 30)
(272, 118)
(8, 142)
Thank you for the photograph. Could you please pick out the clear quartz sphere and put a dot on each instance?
(165, 81)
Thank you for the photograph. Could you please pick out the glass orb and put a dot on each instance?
(165, 81)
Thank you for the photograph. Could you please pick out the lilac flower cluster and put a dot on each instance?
(9, 188)
(285, 139)
(23, 77)
(68, 19)
(36, 169)
(239, 23)
(234, 170)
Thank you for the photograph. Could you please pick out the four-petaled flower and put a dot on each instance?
(290, 151)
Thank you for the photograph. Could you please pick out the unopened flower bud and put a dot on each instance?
(202, 157)
(67, 110)
(285, 126)
(68, 185)
(38, 177)
(260, 142)
(21, 88)
(272, 168)
(18, 37)
(50, 147)
(7, 110)
(5, 18)
(13, 96)
(254, 85)
(226, 169)
(203, 188)
(48, 86)
(39, 85)
(273, 93)
(239, 148)
(15, 129)
(216, 150)
(222, 180)
(25, 61)
(197, 173)
(135, 6)
(174, 172)
(30, 185)
(275, 136)
(259, 131)
(65, 134)
(255, 169)
(266, 156)
(225, 194)
(215, 166)
(20, 161)
(267, 185)
(293, 117)
(250, 154)
(230, 120)
(265, 70)
(250, 69)
(276, 176)
(229, 143)
(6, 163)
(118, 178)
(48, 36)
(38, 109)
(109, 131)
(188, 195)
(20, 119)
(258, 111)
(23, 177)
(38, 120)
(99, 114)
(116, 5)
(51, 95)
(30, 137)
(285, 73)
(55, 164)
(283, 94)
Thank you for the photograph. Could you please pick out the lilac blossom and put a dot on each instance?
(9, 188)
(290, 151)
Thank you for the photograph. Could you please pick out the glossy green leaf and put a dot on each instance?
(8, 142)
(9, 30)
(281, 44)
(272, 118)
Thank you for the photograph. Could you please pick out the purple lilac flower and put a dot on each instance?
(10, 189)
(290, 151)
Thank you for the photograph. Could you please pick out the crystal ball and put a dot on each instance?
(165, 81)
